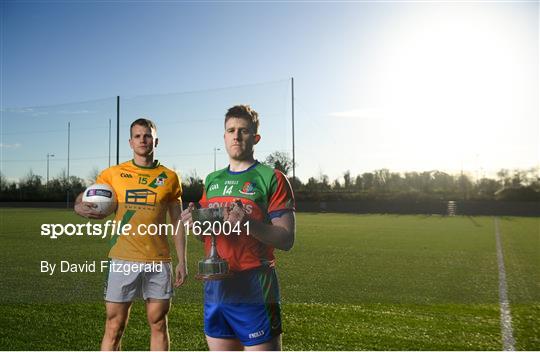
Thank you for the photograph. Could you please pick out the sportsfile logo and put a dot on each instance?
(119, 228)
(109, 228)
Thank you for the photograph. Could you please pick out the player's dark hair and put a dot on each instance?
(244, 112)
(143, 122)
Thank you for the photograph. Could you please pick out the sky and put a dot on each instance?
(408, 86)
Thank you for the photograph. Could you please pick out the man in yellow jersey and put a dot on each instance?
(145, 191)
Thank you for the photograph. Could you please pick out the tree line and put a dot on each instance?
(382, 184)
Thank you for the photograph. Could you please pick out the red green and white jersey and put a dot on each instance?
(265, 193)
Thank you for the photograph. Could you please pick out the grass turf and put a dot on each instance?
(351, 282)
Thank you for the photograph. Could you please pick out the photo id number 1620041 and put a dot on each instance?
(207, 228)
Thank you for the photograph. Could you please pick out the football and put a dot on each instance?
(102, 196)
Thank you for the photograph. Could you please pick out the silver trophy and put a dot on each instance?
(212, 267)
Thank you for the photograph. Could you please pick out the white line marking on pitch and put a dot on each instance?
(506, 319)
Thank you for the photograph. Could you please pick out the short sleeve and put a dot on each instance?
(204, 201)
(104, 178)
(281, 199)
(176, 192)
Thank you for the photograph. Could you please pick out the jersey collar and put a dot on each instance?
(154, 165)
(241, 172)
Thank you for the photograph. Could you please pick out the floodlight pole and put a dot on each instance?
(292, 115)
(109, 142)
(68, 144)
(49, 155)
(215, 150)
(67, 179)
(117, 129)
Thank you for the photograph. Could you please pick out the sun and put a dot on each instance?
(457, 82)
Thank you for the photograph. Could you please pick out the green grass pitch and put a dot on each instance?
(377, 282)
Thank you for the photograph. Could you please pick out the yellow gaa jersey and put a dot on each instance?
(144, 195)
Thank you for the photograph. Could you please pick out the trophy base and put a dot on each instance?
(213, 269)
(211, 277)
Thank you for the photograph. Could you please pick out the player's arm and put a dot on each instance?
(86, 209)
(280, 234)
(179, 238)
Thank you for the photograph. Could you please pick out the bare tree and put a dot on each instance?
(93, 175)
(280, 161)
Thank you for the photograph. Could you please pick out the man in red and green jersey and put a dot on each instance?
(243, 312)
(265, 194)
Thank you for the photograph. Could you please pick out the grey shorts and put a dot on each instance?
(128, 280)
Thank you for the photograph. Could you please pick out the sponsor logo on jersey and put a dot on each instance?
(247, 207)
(141, 197)
(248, 188)
(158, 181)
(125, 175)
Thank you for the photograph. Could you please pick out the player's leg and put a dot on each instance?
(217, 344)
(157, 293)
(156, 311)
(272, 345)
(256, 318)
(117, 318)
(120, 291)
(219, 335)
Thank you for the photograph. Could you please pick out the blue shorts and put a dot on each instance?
(245, 307)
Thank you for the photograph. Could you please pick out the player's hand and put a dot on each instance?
(235, 213)
(180, 274)
(186, 217)
(87, 210)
